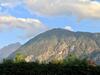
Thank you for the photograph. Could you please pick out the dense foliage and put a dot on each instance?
(75, 67)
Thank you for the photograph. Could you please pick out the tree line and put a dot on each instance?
(69, 66)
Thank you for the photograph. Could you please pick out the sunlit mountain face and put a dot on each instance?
(53, 45)
(49, 27)
(22, 20)
(49, 37)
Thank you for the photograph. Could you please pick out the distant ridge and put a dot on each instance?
(7, 50)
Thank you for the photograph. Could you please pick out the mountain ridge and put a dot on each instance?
(7, 50)
(58, 43)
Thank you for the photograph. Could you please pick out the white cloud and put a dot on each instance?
(29, 25)
(81, 8)
(69, 28)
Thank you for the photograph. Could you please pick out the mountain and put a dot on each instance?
(7, 50)
(57, 44)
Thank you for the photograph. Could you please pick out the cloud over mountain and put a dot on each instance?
(69, 28)
(81, 8)
(28, 25)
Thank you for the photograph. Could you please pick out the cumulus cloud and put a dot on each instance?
(69, 28)
(81, 8)
(29, 25)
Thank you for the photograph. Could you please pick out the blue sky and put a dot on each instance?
(22, 20)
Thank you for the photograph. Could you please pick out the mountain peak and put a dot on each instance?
(59, 29)
(57, 44)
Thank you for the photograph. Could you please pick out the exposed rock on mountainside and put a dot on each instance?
(57, 44)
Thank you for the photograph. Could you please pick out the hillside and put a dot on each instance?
(58, 44)
(7, 50)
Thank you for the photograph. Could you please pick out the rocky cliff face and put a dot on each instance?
(56, 44)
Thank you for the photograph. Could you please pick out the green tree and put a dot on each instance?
(7, 61)
(71, 60)
(19, 58)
